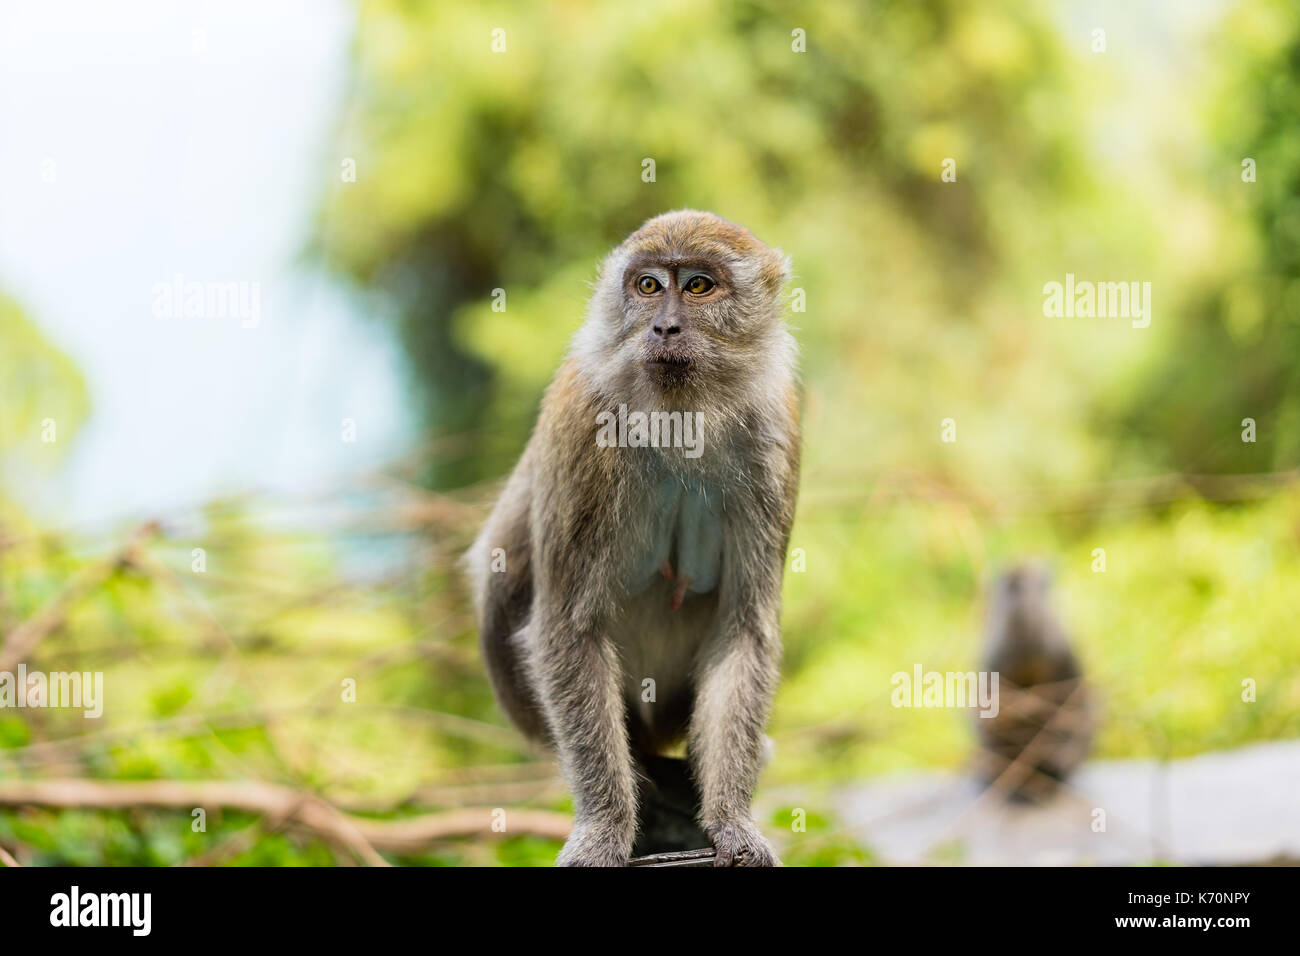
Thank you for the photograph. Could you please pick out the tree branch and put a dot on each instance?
(306, 810)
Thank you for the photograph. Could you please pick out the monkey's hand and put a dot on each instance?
(740, 844)
(593, 846)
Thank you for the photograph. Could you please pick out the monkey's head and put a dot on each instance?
(1020, 605)
(688, 306)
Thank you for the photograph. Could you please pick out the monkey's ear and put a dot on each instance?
(775, 272)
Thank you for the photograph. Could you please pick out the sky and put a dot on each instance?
(145, 140)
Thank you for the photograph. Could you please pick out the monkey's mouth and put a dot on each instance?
(668, 369)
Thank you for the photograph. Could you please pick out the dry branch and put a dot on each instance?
(279, 803)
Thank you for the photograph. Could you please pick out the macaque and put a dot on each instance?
(1044, 726)
(642, 536)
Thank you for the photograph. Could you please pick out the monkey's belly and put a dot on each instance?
(685, 539)
(658, 649)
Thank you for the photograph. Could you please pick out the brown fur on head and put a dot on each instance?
(655, 341)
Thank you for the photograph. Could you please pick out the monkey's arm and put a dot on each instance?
(737, 676)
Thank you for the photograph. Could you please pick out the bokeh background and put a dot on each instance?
(378, 169)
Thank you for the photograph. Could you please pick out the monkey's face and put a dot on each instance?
(674, 308)
(1026, 582)
(1022, 597)
(691, 302)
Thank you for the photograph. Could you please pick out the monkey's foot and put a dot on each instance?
(593, 847)
(740, 844)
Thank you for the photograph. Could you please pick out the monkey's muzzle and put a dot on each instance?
(668, 368)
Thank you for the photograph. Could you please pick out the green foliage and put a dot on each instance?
(1192, 603)
(40, 382)
(1239, 337)
(42, 390)
(821, 842)
(518, 170)
(238, 673)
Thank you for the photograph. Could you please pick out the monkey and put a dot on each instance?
(637, 592)
(1045, 719)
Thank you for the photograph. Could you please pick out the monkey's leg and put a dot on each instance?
(578, 672)
(733, 695)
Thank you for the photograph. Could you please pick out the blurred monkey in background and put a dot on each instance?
(1045, 721)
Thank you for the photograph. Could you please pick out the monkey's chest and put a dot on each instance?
(684, 543)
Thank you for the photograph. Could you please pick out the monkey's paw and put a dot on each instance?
(740, 844)
(590, 848)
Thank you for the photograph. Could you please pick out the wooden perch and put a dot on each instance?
(360, 834)
(701, 857)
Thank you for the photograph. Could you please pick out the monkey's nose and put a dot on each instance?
(664, 329)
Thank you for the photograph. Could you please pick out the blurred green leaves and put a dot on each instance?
(520, 169)
(40, 383)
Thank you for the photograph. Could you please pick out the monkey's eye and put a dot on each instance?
(698, 285)
(648, 285)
